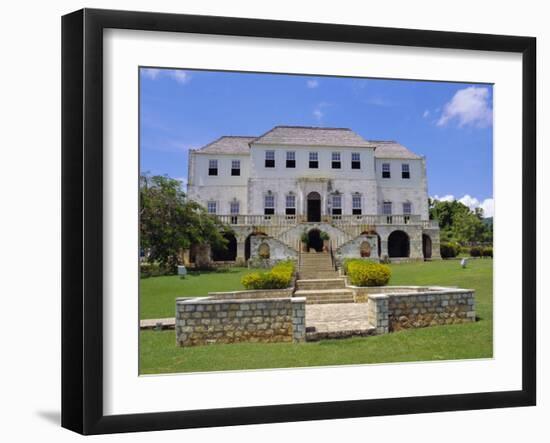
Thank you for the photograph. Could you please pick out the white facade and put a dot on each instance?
(293, 176)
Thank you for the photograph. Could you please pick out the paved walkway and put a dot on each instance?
(337, 320)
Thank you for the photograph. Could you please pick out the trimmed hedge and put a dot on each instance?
(366, 272)
(279, 277)
(449, 250)
(476, 251)
(487, 252)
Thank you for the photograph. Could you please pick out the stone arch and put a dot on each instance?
(247, 243)
(314, 240)
(398, 244)
(229, 253)
(365, 249)
(264, 251)
(379, 240)
(426, 246)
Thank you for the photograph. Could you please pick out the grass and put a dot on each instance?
(158, 294)
(159, 353)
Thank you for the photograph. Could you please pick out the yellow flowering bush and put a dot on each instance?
(367, 273)
(279, 277)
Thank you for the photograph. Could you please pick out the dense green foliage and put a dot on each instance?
(278, 277)
(459, 224)
(159, 354)
(169, 223)
(366, 273)
(449, 250)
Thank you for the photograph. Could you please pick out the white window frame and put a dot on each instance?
(386, 167)
(336, 157)
(387, 204)
(210, 204)
(405, 168)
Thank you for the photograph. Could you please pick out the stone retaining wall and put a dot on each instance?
(416, 309)
(209, 320)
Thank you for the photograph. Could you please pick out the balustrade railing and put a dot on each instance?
(336, 220)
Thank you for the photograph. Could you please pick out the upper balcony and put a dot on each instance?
(335, 220)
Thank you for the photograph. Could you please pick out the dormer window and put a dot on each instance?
(313, 160)
(269, 159)
(355, 160)
(405, 171)
(212, 167)
(336, 162)
(290, 159)
(386, 170)
(235, 167)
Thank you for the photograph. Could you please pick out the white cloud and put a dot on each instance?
(180, 76)
(318, 114)
(488, 205)
(426, 113)
(312, 84)
(150, 73)
(469, 106)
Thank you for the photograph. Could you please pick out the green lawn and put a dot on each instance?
(158, 294)
(159, 353)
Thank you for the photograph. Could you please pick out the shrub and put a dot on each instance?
(324, 235)
(476, 251)
(449, 250)
(153, 270)
(367, 273)
(487, 252)
(279, 277)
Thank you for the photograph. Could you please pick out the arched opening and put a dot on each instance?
(365, 249)
(314, 240)
(264, 251)
(426, 246)
(228, 254)
(314, 207)
(398, 244)
(247, 244)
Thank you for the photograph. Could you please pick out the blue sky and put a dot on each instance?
(449, 123)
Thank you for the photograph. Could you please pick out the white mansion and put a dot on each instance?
(370, 197)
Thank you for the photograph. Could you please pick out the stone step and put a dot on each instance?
(316, 268)
(314, 275)
(322, 292)
(327, 283)
(327, 301)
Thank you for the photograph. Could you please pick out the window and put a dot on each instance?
(356, 204)
(405, 171)
(386, 208)
(407, 209)
(235, 167)
(290, 205)
(269, 159)
(386, 170)
(336, 163)
(234, 210)
(290, 159)
(313, 160)
(336, 204)
(212, 167)
(212, 207)
(355, 160)
(269, 204)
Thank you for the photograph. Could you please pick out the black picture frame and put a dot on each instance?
(82, 232)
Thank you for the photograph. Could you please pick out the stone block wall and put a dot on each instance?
(352, 248)
(209, 320)
(404, 308)
(278, 251)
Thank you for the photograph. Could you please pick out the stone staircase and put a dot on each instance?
(319, 282)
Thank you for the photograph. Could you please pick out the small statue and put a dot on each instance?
(463, 262)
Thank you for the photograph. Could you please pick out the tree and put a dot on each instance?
(459, 224)
(169, 222)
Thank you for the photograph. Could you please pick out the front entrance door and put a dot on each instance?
(313, 207)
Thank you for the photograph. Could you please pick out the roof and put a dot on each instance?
(307, 136)
(311, 135)
(228, 144)
(392, 149)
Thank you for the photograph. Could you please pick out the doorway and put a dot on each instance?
(313, 207)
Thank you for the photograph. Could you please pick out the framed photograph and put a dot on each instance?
(269, 221)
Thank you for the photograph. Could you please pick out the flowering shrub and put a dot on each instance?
(367, 273)
(279, 277)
